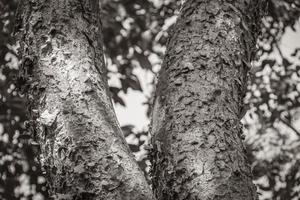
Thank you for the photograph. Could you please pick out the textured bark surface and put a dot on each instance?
(197, 143)
(83, 150)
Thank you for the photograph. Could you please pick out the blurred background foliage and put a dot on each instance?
(135, 35)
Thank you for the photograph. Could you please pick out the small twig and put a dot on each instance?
(290, 126)
(279, 50)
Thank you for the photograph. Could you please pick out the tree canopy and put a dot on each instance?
(135, 32)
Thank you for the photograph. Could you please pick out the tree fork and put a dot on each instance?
(82, 147)
(196, 131)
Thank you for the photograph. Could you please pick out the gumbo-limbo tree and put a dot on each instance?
(197, 154)
(69, 144)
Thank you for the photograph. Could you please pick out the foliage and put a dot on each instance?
(135, 31)
(273, 99)
(20, 175)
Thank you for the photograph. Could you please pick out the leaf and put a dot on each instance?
(295, 52)
(130, 82)
(134, 148)
(119, 100)
(286, 62)
(269, 62)
(143, 60)
(135, 84)
(127, 130)
(116, 98)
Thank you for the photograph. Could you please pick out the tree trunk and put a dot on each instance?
(82, 147)
(196, 131)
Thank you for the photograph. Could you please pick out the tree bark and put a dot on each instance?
(82, 147)
(196, 131)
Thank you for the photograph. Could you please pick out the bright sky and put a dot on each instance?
(135, 112)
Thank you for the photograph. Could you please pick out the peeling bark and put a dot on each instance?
(82, 147)
(196, 131)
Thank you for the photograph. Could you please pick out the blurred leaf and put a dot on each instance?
(143, 60)
(127, 130)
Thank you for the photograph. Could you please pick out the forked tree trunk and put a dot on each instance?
(198, 151)
(83, 150)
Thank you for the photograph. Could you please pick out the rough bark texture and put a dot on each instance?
(83, 150)
(197, 143)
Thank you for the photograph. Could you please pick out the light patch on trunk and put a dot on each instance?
(229, 25)
(48, 118)
(158, 116)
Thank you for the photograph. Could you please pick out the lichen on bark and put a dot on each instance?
(196, 131)
(83, 151)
